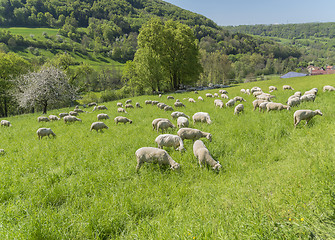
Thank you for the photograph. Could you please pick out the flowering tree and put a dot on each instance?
(48, 87)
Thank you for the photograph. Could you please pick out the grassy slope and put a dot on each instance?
(277, 182)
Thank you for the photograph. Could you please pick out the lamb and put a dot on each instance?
(328, 88)
(307, 98)
(102, 107)
(138, 105)
(63, 115)
(193, 134)
(182, 122)
(73, 113)
(262, 106)
(218, 103)
(168, 108)
(147, 102)
(169, 140)
(204, 157)
(128, 101)
(129, 106)
(169, 97)
(5, 123)
(179, 104)
(122, 120)
(272, 88)
(287, 87)
(225, 96)
(119, 104)
(164, 125)
(230, 103)
(155, 122)
(294, 101)
(178, 114)
(102, 116)
(71, 119)
(191, 100)
(200, 98)
(121, 110)
(257, 102)
(43, 119)
(98, 126)
(223, 91)
(154, 155)
(201, 117)
(209, 95)
(239, 108)
(92, 104)
(42, 132)
(53, 118)
(240, 99)
(255, 94)
(305, 115)
(276, 106)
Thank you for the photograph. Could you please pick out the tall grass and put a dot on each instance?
(277, 182)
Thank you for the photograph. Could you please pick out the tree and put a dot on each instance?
(48, 87)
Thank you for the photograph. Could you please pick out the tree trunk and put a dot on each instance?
(5, 107)
(45, 108)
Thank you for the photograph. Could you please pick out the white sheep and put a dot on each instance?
(42, 132)
(170, 97)
(43, 119)
(63, 115)
(305, 115)
(154, 102)
(98, 126)
(255, 89)
(287, 87)
(257, 102)
(230, 103)
(209, 95)
(242, 91)
(119, 104)
(102, 116)
(182, 122)
(328, 88)
(101, 107)
(128, 101)
(92, 104)
(164, 125)
(307, 98)
(129, 105)
(193, 134)
(247, 91)
(262, 106)
(240, 99)
(294, 101)
(178, 114)
(169, 140)
(122, 120)
(160, 95)
(5, 123)
(179, 104)
(147, 102)
(168, 108)
(154, 155)
(276, 106)
(121, 110)
(239, 108)
(223, 91)
(191, 100)
(218, 103)
(53, 118)
(155, 122)
(71, 119)
(201, 152)
(201, 117)
(200, 98)
(73, 113)
(138, 105)
(255, 94)
(161, 105)
(78, 110)
(225, 96)
(216, 95)
(272, 88)
(312, 91)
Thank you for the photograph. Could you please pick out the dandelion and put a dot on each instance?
(193, 237)
(290, 219)
(302, 219)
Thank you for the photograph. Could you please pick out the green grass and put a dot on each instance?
(36, 32)
(277, 182)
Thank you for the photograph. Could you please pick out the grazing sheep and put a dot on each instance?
(191, 100)
(307, 98)
(154, 103)
(201, 117)
(195, 92)
(128, 101)
(78, 110)
(328, 88)
(223, 91)
(138, 105)
(240, 99)
(204, 157)
(178, 114)
(2, 151)
(164, 125)
(255, 94)
(179, 104)
(43, 119)
(239, 108)
(312, 91)
(160, 95)
(230, 103)
(297, 94)
(63, 115)
(5, 123)
(92, 104)
(193, 134)
(161, 105)
(276, 106)
(216, 95)
(182, 122)
(169, 140)
(42, 132)
(305, 115)
(147, 102)
(265, 96)
(154, 155)
(71, 119)
(247, 91)
(169, 97)
(102, 107)
(225, 96)
(209, 95)
(98, 126)
(242, 91)
(73, 113)
(155, 122)
(122, 120)
(272, 88)
(129, 106)
(119, 104)
(257, 102)
(218, 103)
(200, 98)
(168, 108)
(294, 101)
(53, 118)
(262, 106)
(255, 89)
(102, 116)
(287, 87)
(121, 110)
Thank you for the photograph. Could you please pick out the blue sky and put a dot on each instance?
(247, 12)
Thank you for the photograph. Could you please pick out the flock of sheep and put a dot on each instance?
(158, 155)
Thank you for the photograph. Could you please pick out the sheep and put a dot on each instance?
(182, 122)
(307, 98)
(154, 155)
(328, 88)
(262, 106)
(2, 151)
(218, 103)
(209, 95)
(240, 99)
(312, 91)
(138, 105)
(161, 105)
(265, 96)
(276, 106)
(201, 117)
(294, 101)
(155, 122)
(43, 119)
(169, 140)
(178, 114)
(193, 134)
(63, 115)
(272, 88)
(92, 104)
(121, 110)
(287, 87)
(53, 118)
(169, 97)
(168, 108)
(128, 101)
(179, 104)
(230, 103)
(255, 94)
(223, 91)
(225, 96)
(255, 89)
(42, 132)
(304, 115)
(5, 123)
(71, 119)
(204, 157)
(122, 120)
(164, 125)
(102, 107)
(119, 104)
(242, 91)
(98, 126)
(73, 113)
(216, 95)
(147, 102)
(297, 94)
(154, 103)
(191, 100)
(129, 106)
(247, 91)
(160, 95)
(239, 108)
(102, 116)
(200, 98)
(257, 102)
(78, 110)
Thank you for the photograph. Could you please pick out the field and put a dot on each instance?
(277, 182)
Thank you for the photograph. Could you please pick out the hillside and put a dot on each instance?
(276, 181)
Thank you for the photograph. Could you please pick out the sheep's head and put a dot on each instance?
(175, 166)
(318, 112)
(208, 120)
(209, 137)
(181, 149)
(217, 167)
(130, 121)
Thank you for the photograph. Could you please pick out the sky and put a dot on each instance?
(250, 12)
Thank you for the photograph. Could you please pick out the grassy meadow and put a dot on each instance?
(277, 182)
